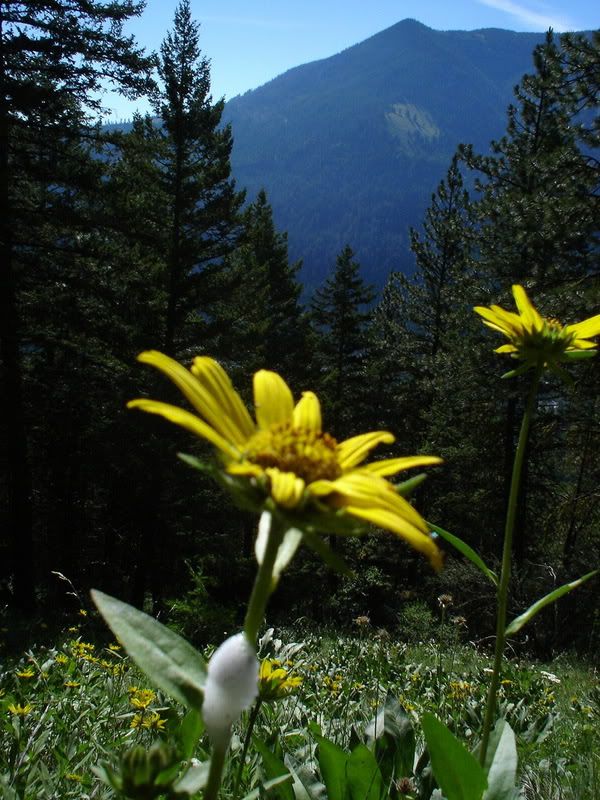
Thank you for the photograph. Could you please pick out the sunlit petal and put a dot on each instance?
(506, 348)
(188, 421)
(207, 404)
(307, 414)
(585, 329)
(353, 451)
(212, 375)
(391, 466)
(526, 308)
(286, 488)
(273, 399)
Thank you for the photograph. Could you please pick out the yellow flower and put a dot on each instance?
(154, 721)
(275, 682)
(19, 710)
(285, 458)
(61, 659)
(142, 698)
(26, 673)
(537, 340)
(72, 684)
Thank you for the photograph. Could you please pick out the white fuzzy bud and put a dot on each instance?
(231, 686)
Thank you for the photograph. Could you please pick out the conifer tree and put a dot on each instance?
(340, 317)
(52, 65)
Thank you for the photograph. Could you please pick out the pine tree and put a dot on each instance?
(52, 64)
(267, 326)
(200, 223)
(340, 317)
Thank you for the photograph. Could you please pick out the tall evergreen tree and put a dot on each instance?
(201, 208)
(340, 316)
(53, 61)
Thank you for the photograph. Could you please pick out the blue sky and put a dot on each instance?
(249, 42)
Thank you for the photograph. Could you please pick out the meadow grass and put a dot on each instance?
(66, 708)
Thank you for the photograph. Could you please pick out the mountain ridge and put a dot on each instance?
(332, 140)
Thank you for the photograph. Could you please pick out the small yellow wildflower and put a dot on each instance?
(136, 721)
(73, 629)
(539, 341)
(460, 690)
(82, 612)
(74, 776)
(275, 682)
(61, 658)
(114, 647)
(20, 711)
(286, 458)
(142, 698)
(72, 684)
(154, 721)
(26, 673)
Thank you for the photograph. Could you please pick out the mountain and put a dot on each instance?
(351, 147)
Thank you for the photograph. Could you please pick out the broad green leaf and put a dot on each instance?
(190, 731)
(329, 556)
(524, 618)
(194, 779)
(456, 770)
(364, 777)
(268, 786)
(274, 768)
(394, 738)
(169, 661)
(467, 552)
(332, 761)
(502, 774)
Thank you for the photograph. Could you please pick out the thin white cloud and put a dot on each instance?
(531, 17)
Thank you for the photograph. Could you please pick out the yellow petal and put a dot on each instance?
(586, 329)
(506, 348)
(188, 421)
(307, 414)
(212, 376)
(207, 404)
(401, 527)
(526, 308)
(286, 487)
(353, 451)
(246, 469)
(273, 399)
(582, 344)
(390, 466)
(364, 490)
(512, 322)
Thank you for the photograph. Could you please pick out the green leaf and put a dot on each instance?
(274, 768)
(456, 770)
(268, 786)
(194, 779)
(534, 609)
(394, 738)
(169, 661)
(333, 761)
(190, 731)
(502, 774)
(406, 488)
(329, 556)
(467, 551)
(364, 777)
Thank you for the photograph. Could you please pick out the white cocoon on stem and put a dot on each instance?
(231, 686)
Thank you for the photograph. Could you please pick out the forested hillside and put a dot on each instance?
(350, 148)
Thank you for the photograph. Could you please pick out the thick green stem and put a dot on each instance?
(217, 762)
(263, 583)
(502, 595)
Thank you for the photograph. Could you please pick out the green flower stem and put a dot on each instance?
(215, 774)
(502, 595)
(263, 583)
(247, 738)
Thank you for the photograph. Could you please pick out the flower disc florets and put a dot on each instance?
(311, 455)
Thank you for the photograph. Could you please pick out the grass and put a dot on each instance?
(64, 709)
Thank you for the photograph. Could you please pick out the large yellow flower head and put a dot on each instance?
(536, 340)
(286, 458)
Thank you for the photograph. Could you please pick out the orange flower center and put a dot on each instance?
(310, 455)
